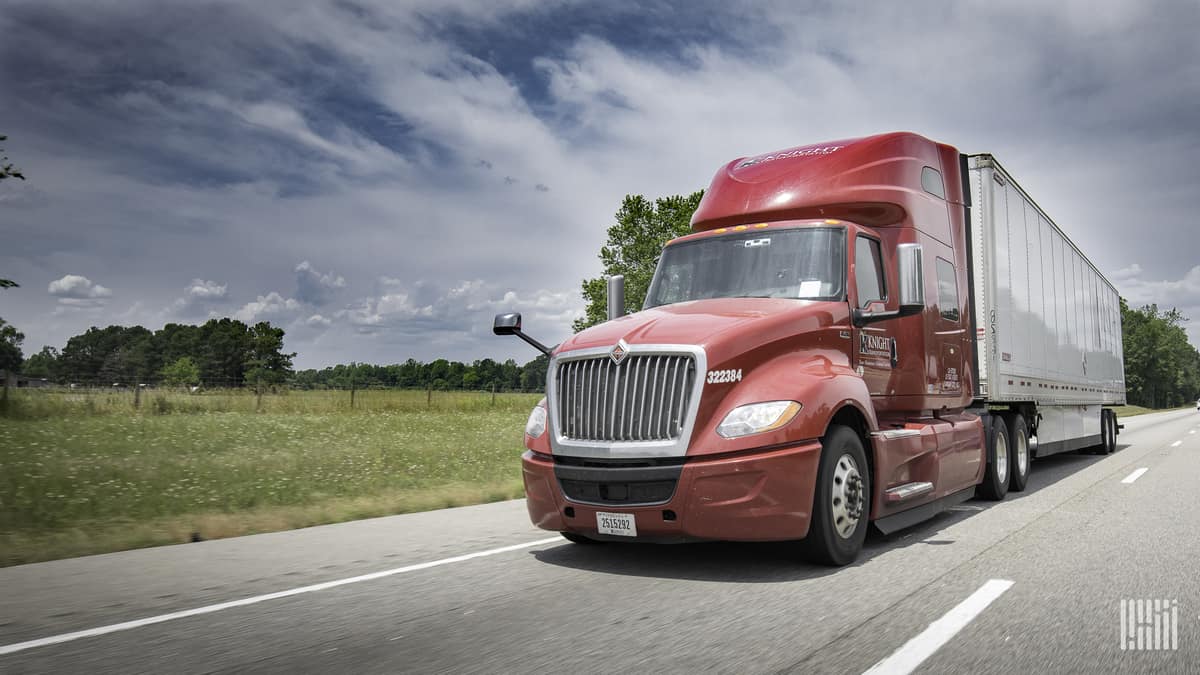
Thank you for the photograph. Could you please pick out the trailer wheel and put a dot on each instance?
(995, 477)
(841, 501)
(579, 539)
(1018, 460)
(1108, 432)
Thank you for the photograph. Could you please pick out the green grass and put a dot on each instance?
(1132, 410)
(86, 473)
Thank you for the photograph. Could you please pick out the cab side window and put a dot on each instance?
(868, 271)
(947, 290)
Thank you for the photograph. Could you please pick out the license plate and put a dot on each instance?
(620, 524)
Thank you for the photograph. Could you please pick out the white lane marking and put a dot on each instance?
(1176, 444)
(150, 620)
(1135, 475)
(914, 652)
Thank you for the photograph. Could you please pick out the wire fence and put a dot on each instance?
(32, 397)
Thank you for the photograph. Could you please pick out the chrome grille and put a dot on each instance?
(644, 398)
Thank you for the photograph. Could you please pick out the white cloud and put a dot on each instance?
(270, 307)
(75, 292)
(209, 291)
(78, 287)
(466, 308)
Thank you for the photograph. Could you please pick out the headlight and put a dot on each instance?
(536, 425)
(756, 418)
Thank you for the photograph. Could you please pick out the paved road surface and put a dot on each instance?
(1073, 546)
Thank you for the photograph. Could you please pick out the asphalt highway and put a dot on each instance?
(1035, 583)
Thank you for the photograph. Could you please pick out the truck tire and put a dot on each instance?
(1108, 432)
(995, 477)
(841, 500)
(579, 539)
(1018, 458)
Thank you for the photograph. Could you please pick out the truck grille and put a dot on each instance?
(644, 398)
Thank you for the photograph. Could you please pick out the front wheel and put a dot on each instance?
(841, 501)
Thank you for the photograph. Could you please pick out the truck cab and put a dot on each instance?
(803, 364)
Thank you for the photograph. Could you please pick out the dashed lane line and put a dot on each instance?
(1137, 473)
(914, 652)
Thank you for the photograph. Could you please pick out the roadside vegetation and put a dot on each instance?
(86, 473)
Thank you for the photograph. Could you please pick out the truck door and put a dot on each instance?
(958, 457)
(876, 345)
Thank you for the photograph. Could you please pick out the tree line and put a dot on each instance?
(221, 352)
(229, 353)
(482, 374)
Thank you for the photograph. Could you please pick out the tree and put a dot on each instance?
(633, 247)
(11, 357)
(10, 352)
(267, 364)
(533, 374)
(7, 170)
(1161, 368)
(181, 372)
(43, 364)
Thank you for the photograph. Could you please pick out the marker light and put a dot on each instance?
(756, 418)
(536, 426)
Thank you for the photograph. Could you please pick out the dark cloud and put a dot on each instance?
(221, 143)
(314, 287)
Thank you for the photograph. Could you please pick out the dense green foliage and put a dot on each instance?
(183, 371)
(483, 374)
(227, 353)
(1162, 369)
(10, 347)
(633, 247)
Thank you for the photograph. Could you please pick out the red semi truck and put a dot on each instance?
(860, 331)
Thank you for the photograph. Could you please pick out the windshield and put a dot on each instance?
(804, 264)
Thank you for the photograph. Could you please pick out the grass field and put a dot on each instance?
(86, 473)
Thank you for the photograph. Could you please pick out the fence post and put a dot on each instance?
(258, 394)
(352, 393)
(428, 394)
(137, 393)
(493, 394)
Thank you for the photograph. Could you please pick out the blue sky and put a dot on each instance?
(379, 178)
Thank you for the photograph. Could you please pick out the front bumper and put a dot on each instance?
(763, 496)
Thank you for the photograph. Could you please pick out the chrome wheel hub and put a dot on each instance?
(848, 497)
(1001, 458)
(1022, 455)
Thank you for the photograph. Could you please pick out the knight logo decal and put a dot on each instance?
(618, 352)
(877, 349)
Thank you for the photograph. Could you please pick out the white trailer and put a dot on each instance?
(1047, 322)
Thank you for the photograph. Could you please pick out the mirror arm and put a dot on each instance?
(534, 343)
